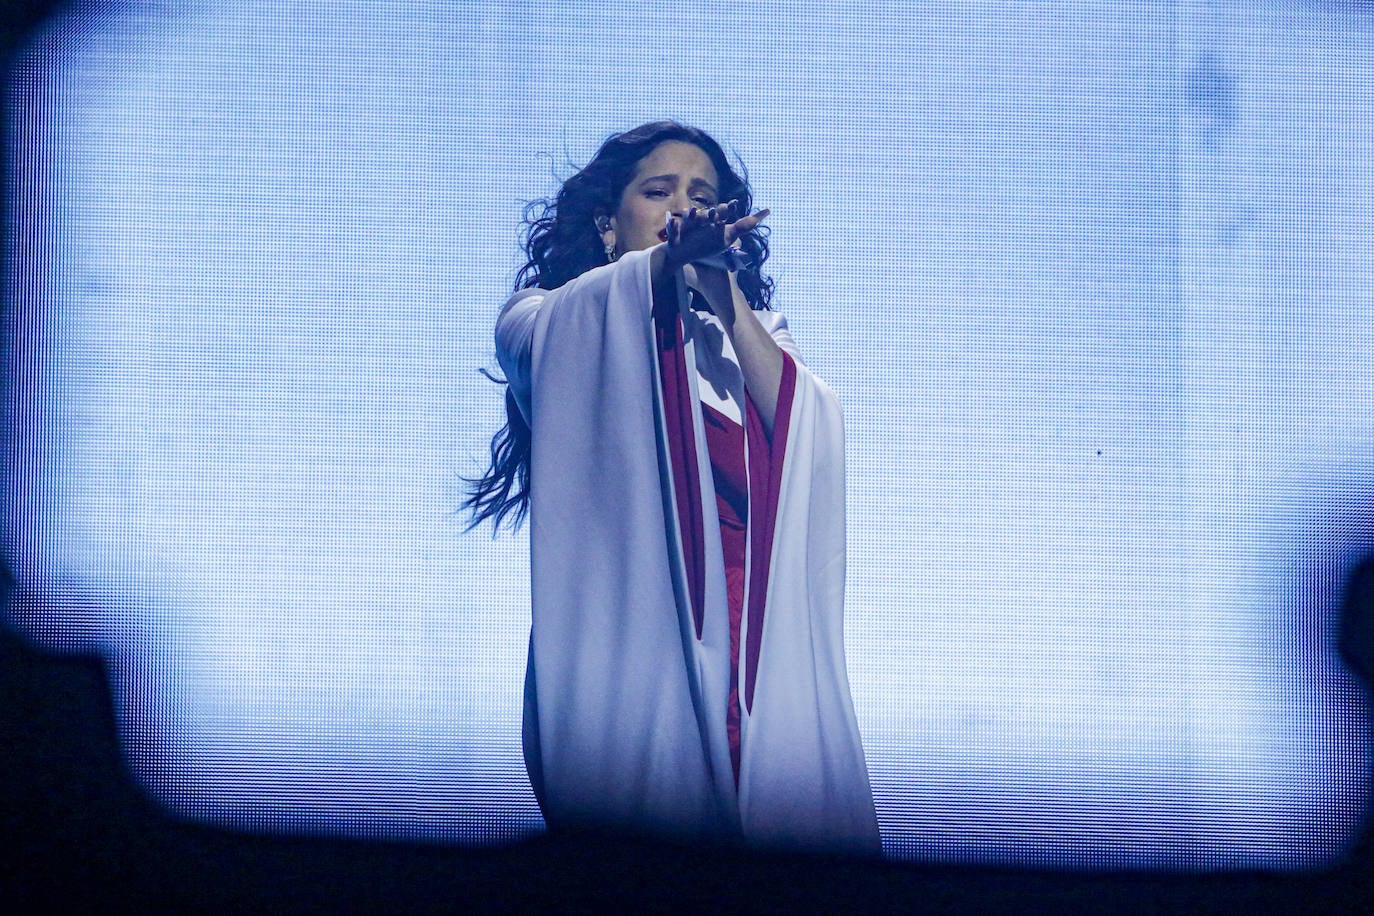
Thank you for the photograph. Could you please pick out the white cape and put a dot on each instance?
(625, 710)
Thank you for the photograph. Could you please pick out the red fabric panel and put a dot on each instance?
(678, 411)
(742, 492)
(725, 445)
(765, 480)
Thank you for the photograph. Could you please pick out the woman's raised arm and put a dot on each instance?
(701, 233)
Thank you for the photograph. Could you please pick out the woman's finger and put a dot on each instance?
(745, 224)
(758, 217)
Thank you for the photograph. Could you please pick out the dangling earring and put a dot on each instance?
(603, 226)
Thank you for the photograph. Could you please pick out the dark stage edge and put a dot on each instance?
(78, 832)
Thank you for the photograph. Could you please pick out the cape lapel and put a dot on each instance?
(765, 462)
(679, 436)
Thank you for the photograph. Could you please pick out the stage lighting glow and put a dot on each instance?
(1091, 280)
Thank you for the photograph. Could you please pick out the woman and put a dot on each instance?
(684, 477)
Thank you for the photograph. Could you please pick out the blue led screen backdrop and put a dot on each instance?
(1092, 281)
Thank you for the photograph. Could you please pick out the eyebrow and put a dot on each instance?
(671, 177)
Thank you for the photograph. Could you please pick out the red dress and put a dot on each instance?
(726, 445)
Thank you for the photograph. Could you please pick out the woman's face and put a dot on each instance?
(673, 178)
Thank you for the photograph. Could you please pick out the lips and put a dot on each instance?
(663, 235)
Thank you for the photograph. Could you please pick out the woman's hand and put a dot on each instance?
(701, 232)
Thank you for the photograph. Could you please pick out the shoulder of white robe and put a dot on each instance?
(515, 324)
(515, 341)
(627, 275)
(775, 323)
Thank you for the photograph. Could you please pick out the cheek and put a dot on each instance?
(644, 218)
(625, 218)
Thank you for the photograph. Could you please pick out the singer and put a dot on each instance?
(683, 473)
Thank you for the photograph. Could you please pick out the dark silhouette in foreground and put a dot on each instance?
(77, 828)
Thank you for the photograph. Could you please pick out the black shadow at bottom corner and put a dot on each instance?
(78, 830)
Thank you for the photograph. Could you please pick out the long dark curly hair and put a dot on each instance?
(561, 243)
